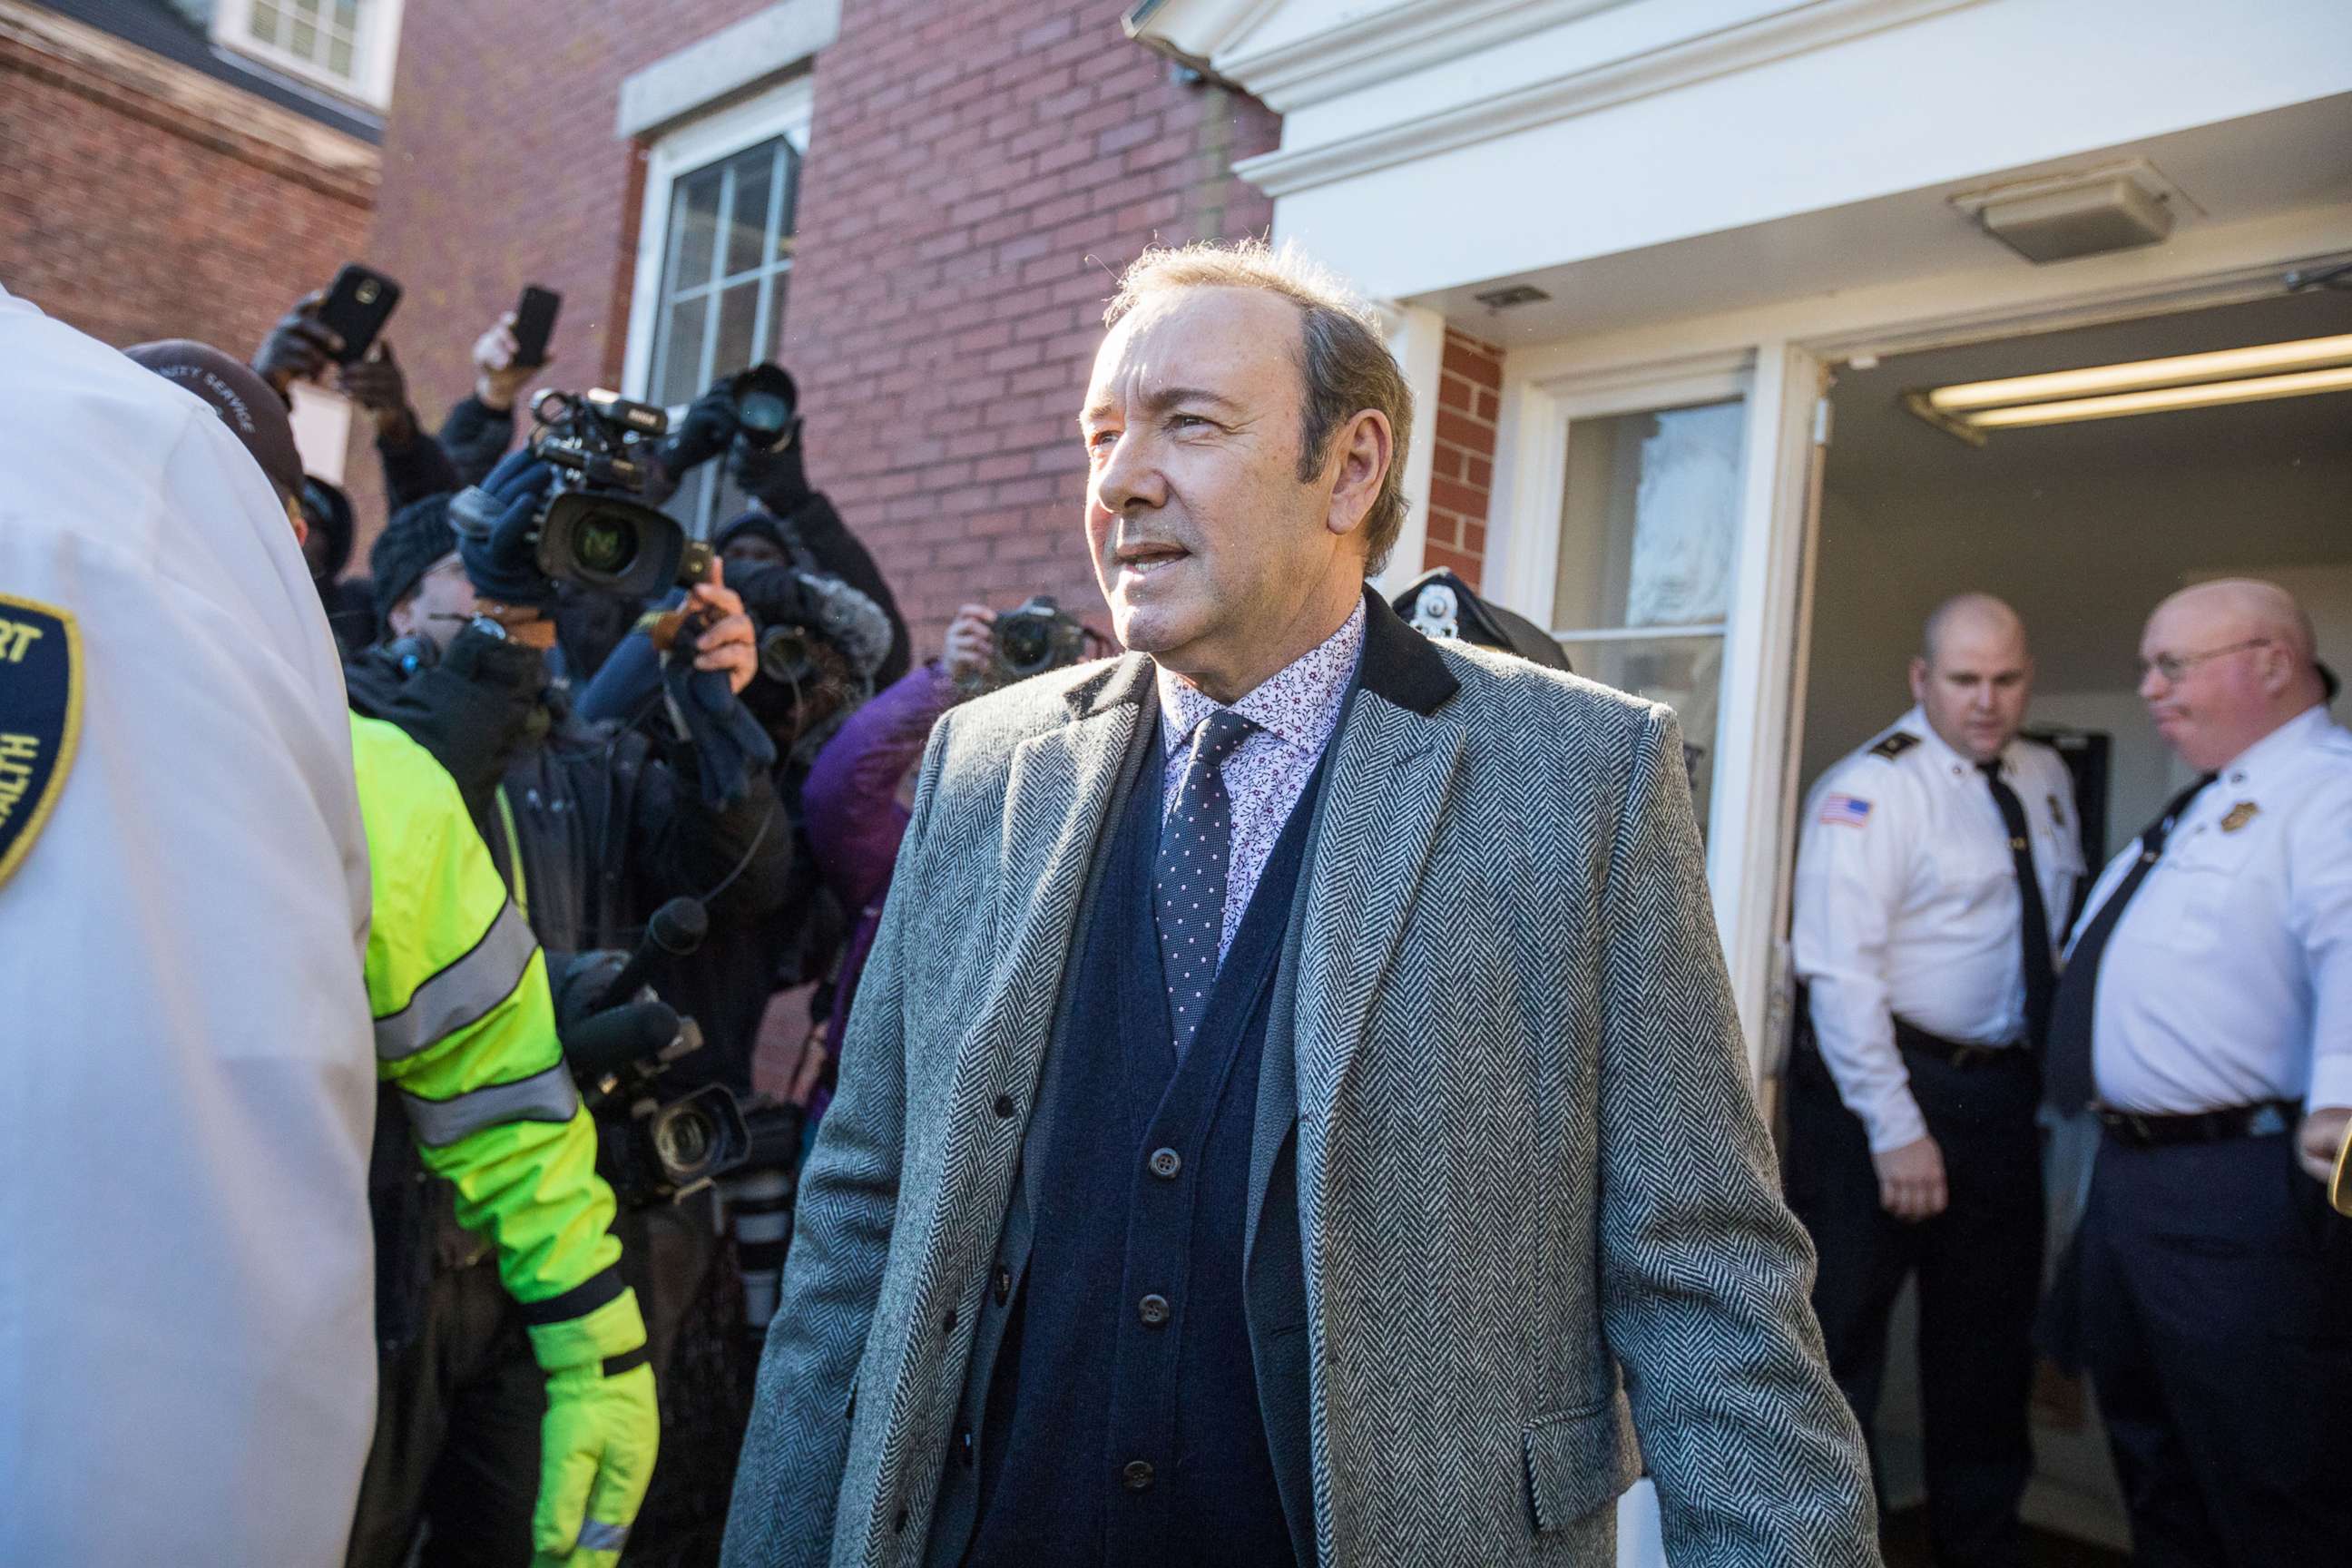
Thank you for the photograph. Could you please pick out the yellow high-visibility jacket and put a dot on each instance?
(464, 1034)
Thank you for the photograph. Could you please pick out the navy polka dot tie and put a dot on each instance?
(1195, 843)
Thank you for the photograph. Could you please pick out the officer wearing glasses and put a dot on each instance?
(2205, 1014)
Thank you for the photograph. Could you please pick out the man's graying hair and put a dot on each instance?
(1343, 356)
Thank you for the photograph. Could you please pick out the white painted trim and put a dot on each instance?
(1417, 339)
(765, 44)
(1383, 44)
(375, 49)
(1803, 28)
(785, 112)
(1748, 835)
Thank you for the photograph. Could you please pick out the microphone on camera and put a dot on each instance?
(610, 1041)
(677, 929)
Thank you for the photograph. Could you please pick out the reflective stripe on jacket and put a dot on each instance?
(465, 1032)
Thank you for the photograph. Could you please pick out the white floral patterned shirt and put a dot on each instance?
(1296, 710)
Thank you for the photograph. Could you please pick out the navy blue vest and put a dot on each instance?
(1124, 1424)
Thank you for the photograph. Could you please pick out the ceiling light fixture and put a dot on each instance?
(2302, 368)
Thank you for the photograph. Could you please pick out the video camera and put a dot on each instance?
(618, 1040)
(593, 530)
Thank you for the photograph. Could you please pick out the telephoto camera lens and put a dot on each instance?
(1028, 643)
(784, 656)
(766, 399)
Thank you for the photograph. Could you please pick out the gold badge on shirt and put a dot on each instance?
(2242, 813)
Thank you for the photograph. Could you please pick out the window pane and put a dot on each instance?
(1686, 673)
(747, 226)
(779, 284)
(693, 230)
(1650, 519)
(739, 309)
(339, 57)
(265, 23)
(347, 17)
(678, 366)
(305, 40)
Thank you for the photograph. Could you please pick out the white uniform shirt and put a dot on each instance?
(2228, 979)
(1908, 904)
(186, 1357)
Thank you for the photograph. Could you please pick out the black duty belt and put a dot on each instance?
(1958, 1053)
(2144, 1130)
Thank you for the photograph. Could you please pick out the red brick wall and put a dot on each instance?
(977, 174)
(1461, 479)
(132, 216)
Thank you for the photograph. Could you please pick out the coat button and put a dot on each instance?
(1003, 1105)
(1003, 1285)
(899, 1528)
(947, 1323)
(964, 1445)
(1137, 1475)
(1153, 1310)
(1165, 1163)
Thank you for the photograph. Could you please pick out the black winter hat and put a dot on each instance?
(329, 513)
(758, 522)
(418, 535)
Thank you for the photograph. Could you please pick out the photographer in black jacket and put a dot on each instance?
(592, 825)
(793, 524)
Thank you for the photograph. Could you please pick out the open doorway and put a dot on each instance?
(2083, 527)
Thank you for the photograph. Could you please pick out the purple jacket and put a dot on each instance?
(850, 810)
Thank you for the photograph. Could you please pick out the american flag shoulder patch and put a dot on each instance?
(1845, 811)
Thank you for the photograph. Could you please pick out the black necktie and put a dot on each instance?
(2066, 1072)
(1195, 843)
(2041, 976)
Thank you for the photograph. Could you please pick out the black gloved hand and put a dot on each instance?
(703, 431)
(377, 384)
(496, 521)
(297, 348)
(775, 475)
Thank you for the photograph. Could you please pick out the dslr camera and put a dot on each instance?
(1037, 636)
(596, 530)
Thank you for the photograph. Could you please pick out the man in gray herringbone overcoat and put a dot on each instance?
(1294, 1112)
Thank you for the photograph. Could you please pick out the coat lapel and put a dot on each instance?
(1390, 770)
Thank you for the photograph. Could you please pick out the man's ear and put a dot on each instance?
(1919, 679)
(1361, 452)
(402, 617)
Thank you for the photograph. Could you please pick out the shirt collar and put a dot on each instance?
(2273, 750)
(1298, 704)
(1952, 764)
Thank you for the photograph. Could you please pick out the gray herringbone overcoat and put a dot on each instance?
(1542, 1245)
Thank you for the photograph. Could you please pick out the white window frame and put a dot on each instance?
(375, 49)
(783, 111)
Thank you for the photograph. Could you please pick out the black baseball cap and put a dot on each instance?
(248, 404)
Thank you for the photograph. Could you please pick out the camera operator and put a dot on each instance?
(594, 827)
(754, 418)
(821, 641)
(514, 1412)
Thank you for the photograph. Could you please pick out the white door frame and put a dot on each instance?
(1785, 351)
(1747, 815)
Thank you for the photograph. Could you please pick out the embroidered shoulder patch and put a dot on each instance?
(1845, 811)
(40, 719)
(1894, 744)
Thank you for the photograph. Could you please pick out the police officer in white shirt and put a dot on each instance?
(2206, 1013)
(1935, 866)
(186, 1367)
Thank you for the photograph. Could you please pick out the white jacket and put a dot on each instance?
(186, 1083)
